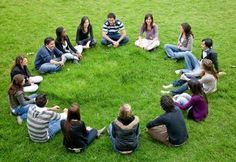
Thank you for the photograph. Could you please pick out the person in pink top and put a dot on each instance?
(197, 104)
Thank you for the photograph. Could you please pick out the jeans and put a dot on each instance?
(92, 135)
(174, 52)
(183, 84)
(115, 37)
(113, 140)
(23, 110)
(53, 128)
(49, 68)
(191, 63)
(85, 41)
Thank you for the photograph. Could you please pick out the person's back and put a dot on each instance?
(77, 137)
(169, 128)
(126, 134)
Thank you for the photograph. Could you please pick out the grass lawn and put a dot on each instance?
(107, 78)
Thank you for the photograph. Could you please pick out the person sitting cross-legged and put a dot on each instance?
(113, 32)
(43, 123)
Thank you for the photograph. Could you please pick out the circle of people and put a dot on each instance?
(200, 76)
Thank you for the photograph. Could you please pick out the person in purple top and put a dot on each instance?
(151, 40)
(197, 104)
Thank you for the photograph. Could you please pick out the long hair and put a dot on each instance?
(73, 114)
(145, 24)
(196, 88)
(81, 26)
(187, 30)
(16, 84)
(18, 60)
(59, 32)
(125, 112)
(208, 67)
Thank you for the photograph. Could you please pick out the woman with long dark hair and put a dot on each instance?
(20, 67)
(124, 131)
(208, 79)
(151, 40)
(19, 103)
(76, 136)
(84, 34)
(197, 104)
(63, 44)
(185, 43)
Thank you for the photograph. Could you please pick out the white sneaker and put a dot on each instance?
(100, 131)
(19, 120)
(165, 92)
(167, 86)
(178, 71)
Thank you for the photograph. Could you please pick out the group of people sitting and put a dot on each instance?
(169, 128)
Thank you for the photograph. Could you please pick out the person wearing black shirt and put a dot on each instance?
(169, 128)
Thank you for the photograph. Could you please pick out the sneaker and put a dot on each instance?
(76, 58)
(167, 86)
(109, 45)
(19, 120)
(75, 62)
(100, 131)
(178, 71)
(165, 92)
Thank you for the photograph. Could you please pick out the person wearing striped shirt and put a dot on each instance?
(42, 122)
(113, 32)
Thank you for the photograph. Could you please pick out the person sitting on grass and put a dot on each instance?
(20, 67)
(185, 43)
(84, 34)
(208, 80)
(193, 66)
(42, 122)
(64, 45)
(110, 32)
(46, 62)
(152, 39)
(76, 136)
(124, 131)
(19, 102)
(197, 104)
(168, 128)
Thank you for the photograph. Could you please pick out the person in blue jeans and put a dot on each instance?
(49, 59)
(185, 43)
(124, 131)
(113, 32)
(19, 102)
(44, 123)
(76, 136)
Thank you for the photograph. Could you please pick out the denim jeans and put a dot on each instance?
(191, 63)
(174, 52)
(53, 128)
(115, 37)
(113, 140)
(182, 84)
(92, 135)
(49, 68)
(23, 110)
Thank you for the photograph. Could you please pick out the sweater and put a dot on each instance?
(126, 136)
(45, 55)
(199, 110)
(78, 135)
(69, 46)
(80, 35)
(175, 125)
(152, 34)
(186, 44)
(209, 83)
(19, 100)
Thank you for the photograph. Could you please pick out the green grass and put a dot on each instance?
(106, 78)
